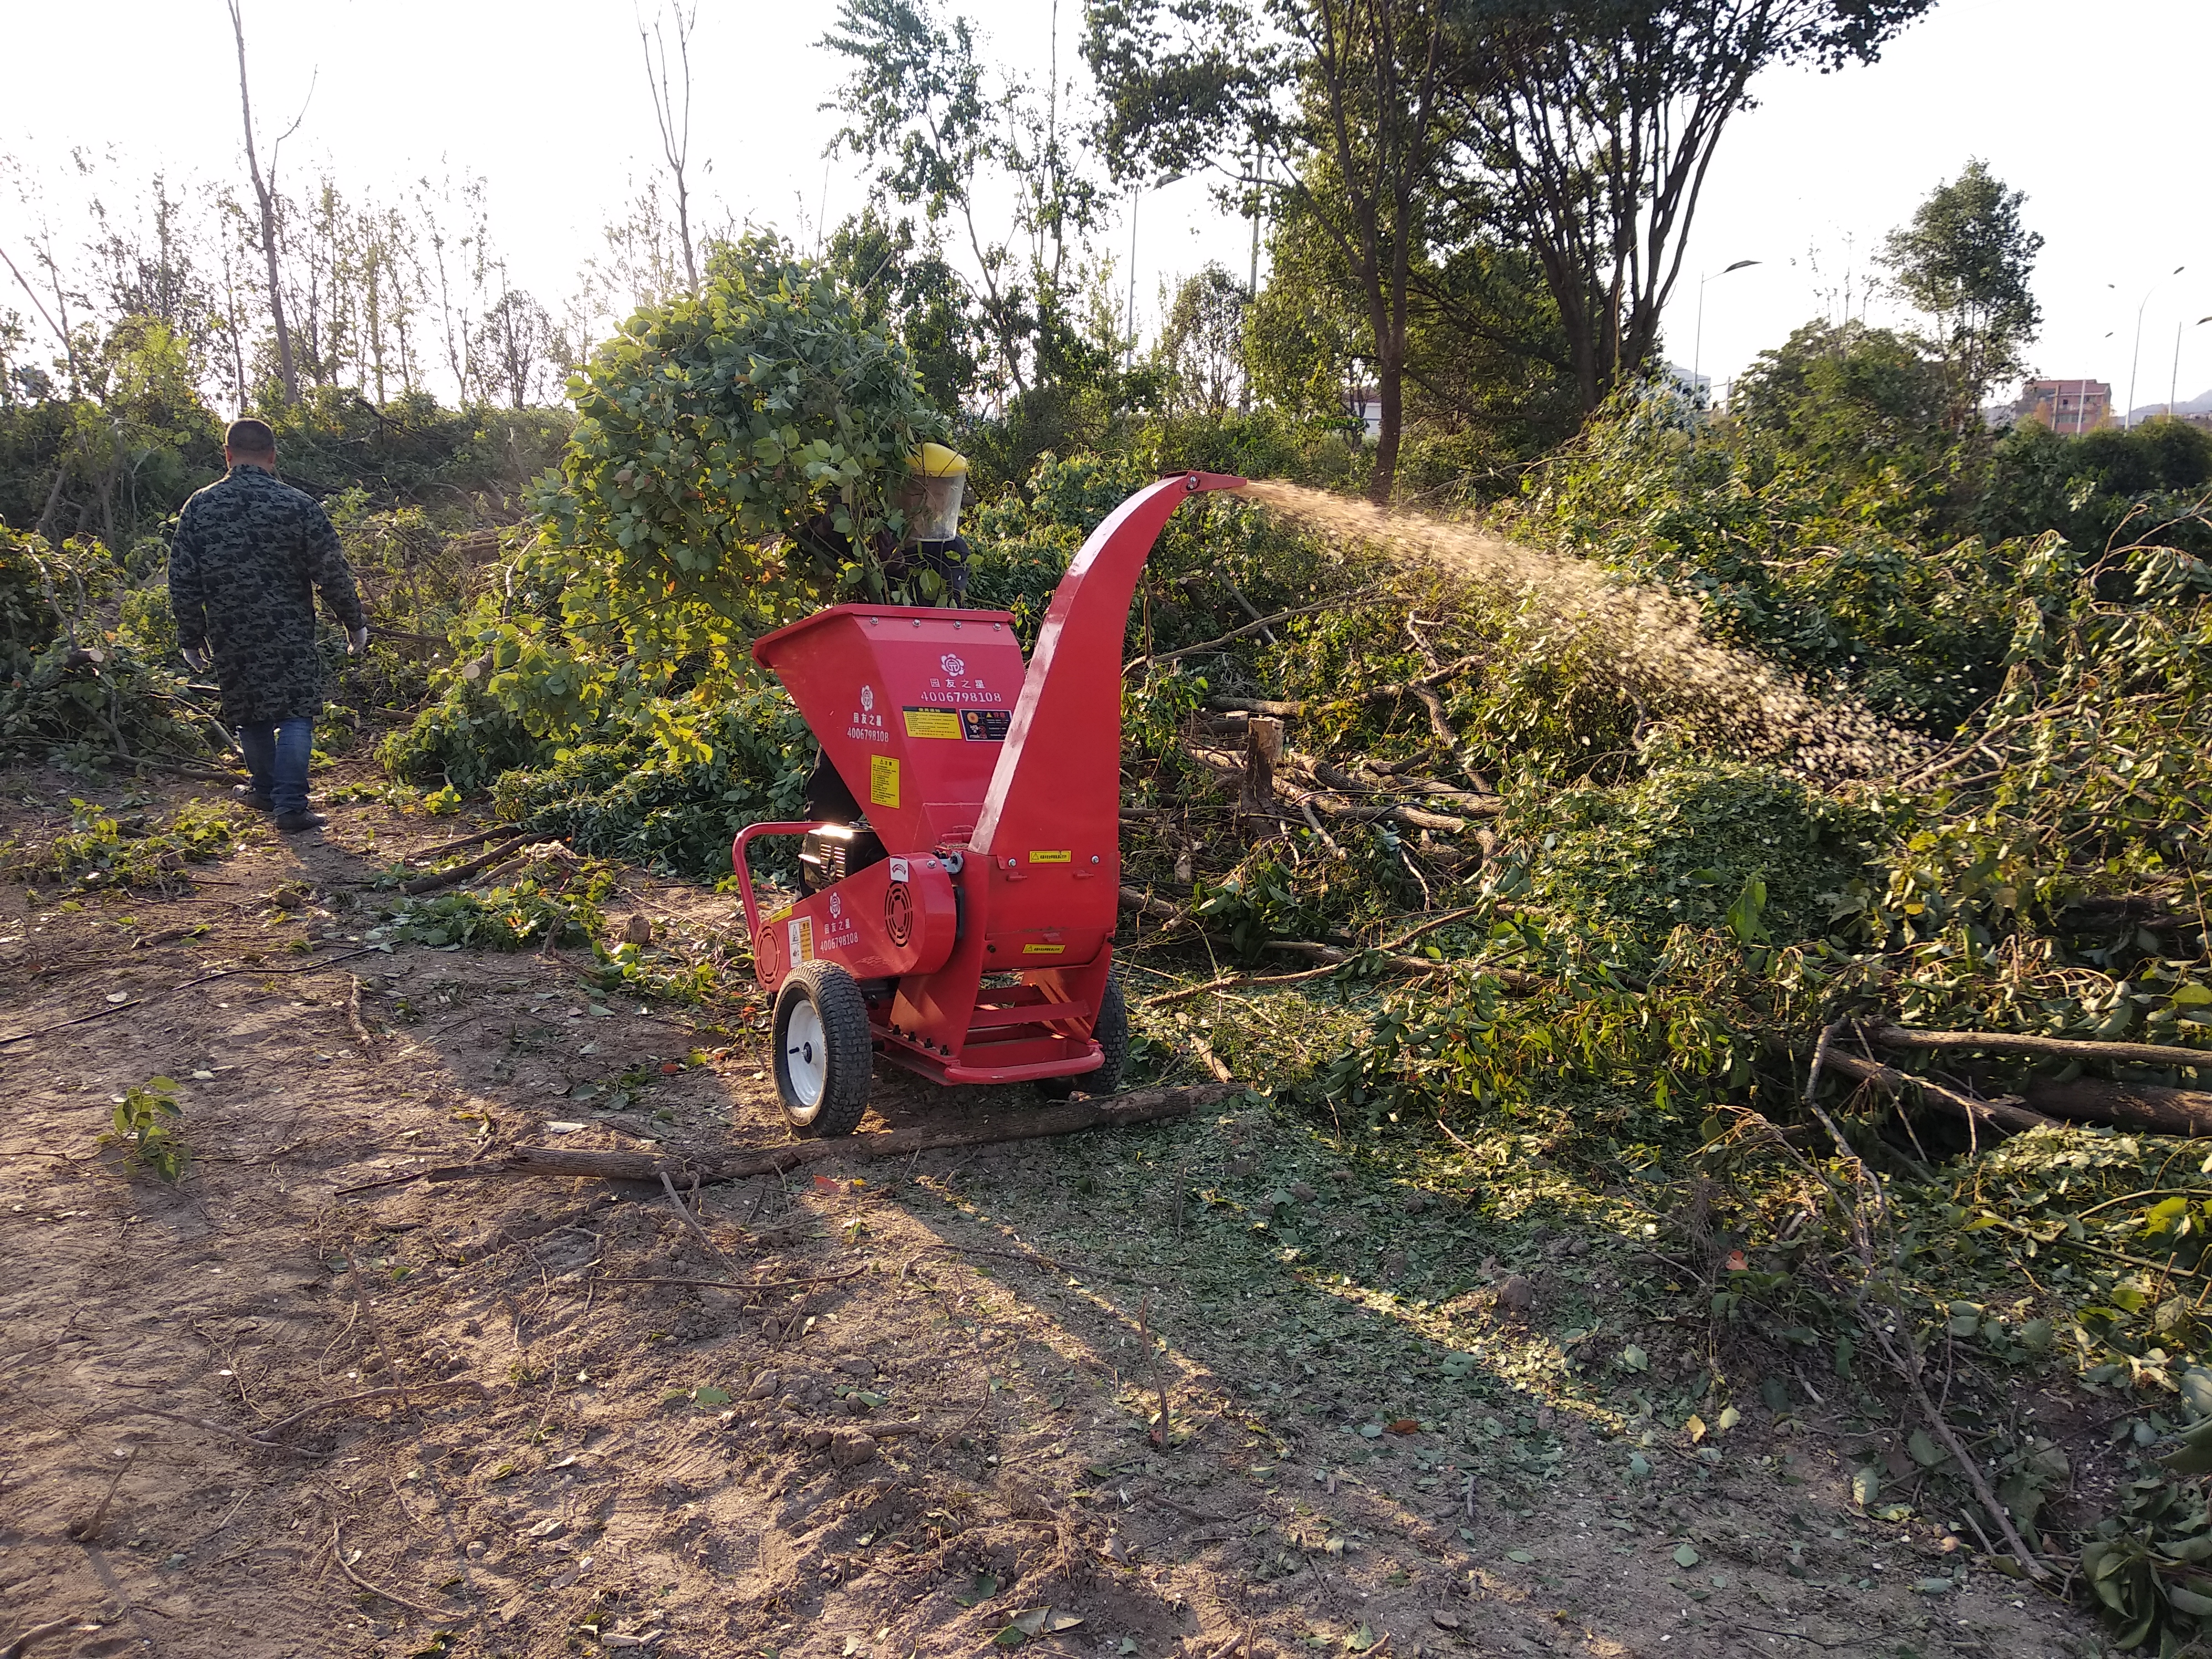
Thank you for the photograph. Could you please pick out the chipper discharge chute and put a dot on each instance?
(963, 870)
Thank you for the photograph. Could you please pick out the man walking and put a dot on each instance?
(250, 556)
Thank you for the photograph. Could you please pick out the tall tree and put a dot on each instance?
(1965, 260)
(1588, 129)
(265, 192)
(1350, 93)
(674, 120)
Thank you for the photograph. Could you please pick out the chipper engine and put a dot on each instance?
(961, 881)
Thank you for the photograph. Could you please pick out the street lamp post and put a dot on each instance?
(1698, 351)
(1129, 352)
(2173, 386)
(2135, 358)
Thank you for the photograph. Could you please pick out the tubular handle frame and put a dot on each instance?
(746, 837)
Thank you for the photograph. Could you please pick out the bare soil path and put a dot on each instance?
(411, 1419)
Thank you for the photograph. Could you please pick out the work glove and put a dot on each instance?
(195, 660)
(356, 641)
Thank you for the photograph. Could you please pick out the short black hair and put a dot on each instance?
(250, 437)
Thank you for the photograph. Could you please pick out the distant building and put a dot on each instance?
(2067, 406)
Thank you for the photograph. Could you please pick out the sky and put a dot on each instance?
(2088, 105)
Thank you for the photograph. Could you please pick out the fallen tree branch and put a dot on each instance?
(1113, 1112)
(20, 1645)
(2016, 1042)
(1513, 979)
(2004, 1114)
(1234, 633)
(458, 843)
(1291, 707)
(430, 884)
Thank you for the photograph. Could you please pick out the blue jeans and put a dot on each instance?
(276, 754)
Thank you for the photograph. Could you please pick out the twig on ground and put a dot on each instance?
(85, 1528)
(1211, 1061)
(221, 973)
(368, 1396)
(727, 1284)
(20, 1644)
(1151, 1360)
(353, 1017)
(337, 1552)
(213, 1427)
(714, 1251)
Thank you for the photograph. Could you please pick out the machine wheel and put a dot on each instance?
(1112, 1032)
(824, 1052)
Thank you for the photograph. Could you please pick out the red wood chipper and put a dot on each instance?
(959, 899)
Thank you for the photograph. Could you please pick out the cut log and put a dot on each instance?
(2014, 1043)
(2134, 1105)
(1114, 1112)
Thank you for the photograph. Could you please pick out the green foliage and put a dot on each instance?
(145, 1125)
(1684, 846)
(127, 849)
(716, 426)
(636, 796)
(507, 918)
(2147, 1566)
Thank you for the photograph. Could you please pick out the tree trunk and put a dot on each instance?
(264, 193)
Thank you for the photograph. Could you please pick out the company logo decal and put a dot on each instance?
(952, 665)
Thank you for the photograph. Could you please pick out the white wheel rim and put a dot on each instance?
(805, 1053)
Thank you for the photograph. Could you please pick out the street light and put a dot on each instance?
(1130, 351)
(2174, 385)
(2135, 358)
(1698, 351)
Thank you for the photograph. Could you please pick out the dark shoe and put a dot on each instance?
(253, 798)
(293, 824)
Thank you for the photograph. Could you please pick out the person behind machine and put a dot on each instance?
(929, 500)
(937, 479)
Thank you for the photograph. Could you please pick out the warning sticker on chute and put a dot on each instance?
(1043, 950)
(802, 938)
(933, 723)
(883, 781)
(1063, 856)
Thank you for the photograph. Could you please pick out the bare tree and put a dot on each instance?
(264, 192)
(675, 124)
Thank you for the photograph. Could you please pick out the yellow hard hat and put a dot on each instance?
(936, 461)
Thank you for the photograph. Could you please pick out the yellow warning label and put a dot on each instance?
(1062, 857)
(883, 781)
(802, 939)
(1043, 950)
(771, 920)
(933, 723)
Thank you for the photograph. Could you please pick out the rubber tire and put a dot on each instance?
(1112, 1033)
(849, 1060)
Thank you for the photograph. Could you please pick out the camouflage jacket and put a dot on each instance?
(249, 556)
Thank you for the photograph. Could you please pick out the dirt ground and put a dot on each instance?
(333, 1416)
